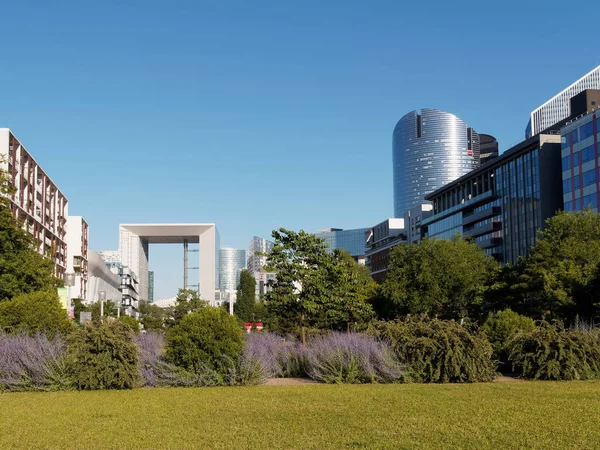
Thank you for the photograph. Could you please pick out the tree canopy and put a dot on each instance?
(443, 278)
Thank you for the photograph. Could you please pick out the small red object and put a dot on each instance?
(259, 326)
(248, 326)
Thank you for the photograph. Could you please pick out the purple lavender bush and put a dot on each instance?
(33, 363)
(278, 356)
(352, 358)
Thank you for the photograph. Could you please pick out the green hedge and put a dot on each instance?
(550, 352)
(438, 351)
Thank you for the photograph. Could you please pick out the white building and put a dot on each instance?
(77, 255)
(100, 278)
(134, 241)
(258, 245)
(112, 259)
(37, 202)
(558, 107)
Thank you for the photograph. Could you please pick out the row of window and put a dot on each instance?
(587, 154)
(583, 132)
(588, 200)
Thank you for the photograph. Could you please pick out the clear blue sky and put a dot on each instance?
(258, 115)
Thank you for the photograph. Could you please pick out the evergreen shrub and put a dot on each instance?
(104, 356)
(550, 352)
(503, 326)
(438, 351)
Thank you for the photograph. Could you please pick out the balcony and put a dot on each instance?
(483, 229)
(480, 215)
(489, 243)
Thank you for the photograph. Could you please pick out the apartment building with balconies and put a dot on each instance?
(36, 202)
(77, 255)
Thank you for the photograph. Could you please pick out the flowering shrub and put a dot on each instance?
(278, 356)
(352, 358)
(33, 362)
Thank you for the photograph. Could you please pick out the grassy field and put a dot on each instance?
(491, 415)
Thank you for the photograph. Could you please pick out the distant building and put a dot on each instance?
(413, 220)
(380, 239)
(112, 259)
(150, 286)
(256, 261)
(558, 108)
(231, 263)
(488, 148)
(37, 201)
(430, 148)
(353, 241)
(77, 255)
(262, 279)
(100, 278)
(129, 292)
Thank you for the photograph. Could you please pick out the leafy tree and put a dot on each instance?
(313, 287)
(131, 323)
(186, 302)
(22, 269)
(35, 312)
(501, 327)
(439, 277)
(207, 338)
(110, 310)
(561, 274)
(152, 317)
(244, 306)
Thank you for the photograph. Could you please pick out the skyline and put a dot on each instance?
(256, 117)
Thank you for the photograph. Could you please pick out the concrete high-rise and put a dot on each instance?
(430, 149)
(257, 261)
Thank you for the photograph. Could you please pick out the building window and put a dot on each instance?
(587, 154)
(589, 177)
(575, 136)
(568, 206)
(567, 186)
(576, 182)
(566, 163)
(565, 141)
(586, 130)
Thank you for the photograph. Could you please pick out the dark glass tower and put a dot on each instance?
(430, 149)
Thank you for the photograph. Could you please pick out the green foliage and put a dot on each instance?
(186, 302)
(34, 312)
(438, 277)
(244, 306)
(131, 323)
(208, 338)
(501, 327)
(550, 352)
(110, 310)
(561, 275)
(313, 287)
(104, 356)
(152, 317)
(438, 351)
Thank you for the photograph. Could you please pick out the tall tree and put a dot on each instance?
(313, 287)
(439, 277)
(22, 269)
(561, 275)
(245, 303)
(186, 302)
(152, 316)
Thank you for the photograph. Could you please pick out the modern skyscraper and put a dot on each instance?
(150, 285)
(488, 148)
(353, 241)
(231, 263)
(559, 107)
(258, 245)
(430, 149)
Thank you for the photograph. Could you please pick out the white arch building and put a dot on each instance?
(134, 240)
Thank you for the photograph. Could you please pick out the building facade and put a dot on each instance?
(77, 255)
(503, 204)
(150, 286)
(579, 163)
(379, 240)
(488, 148)
(558, 107)
(231, 263)
(353, 241)
(129, 292)
(100, 278)
(256, 261)
(430, 149)
(37, 201)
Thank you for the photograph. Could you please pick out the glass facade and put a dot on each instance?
(258, 245)
(430, 150)
(500, 206)
(579, 163)
(231, 263)
(353, 241)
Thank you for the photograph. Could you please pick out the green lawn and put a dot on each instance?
(492, 415)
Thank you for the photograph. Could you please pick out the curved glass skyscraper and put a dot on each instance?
(430, 149)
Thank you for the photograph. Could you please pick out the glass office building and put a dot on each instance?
(231, 263)
(430, 149)
(579, 163)
(353, 241)
(503, 204)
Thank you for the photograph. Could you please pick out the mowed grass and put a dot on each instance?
(491, 415)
